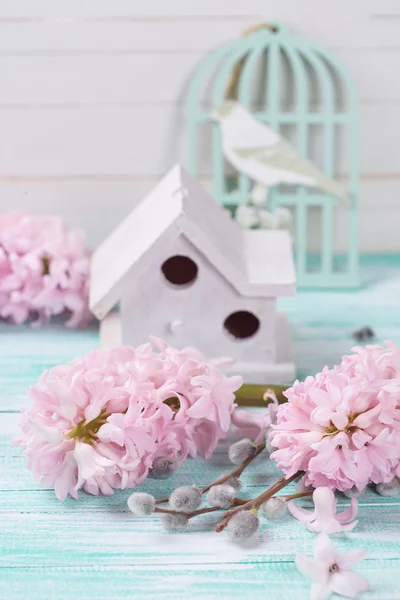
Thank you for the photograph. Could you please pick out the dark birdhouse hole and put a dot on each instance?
(242, 324)
(180, 270)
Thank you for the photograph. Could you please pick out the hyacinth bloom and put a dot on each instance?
(332, 571)
(100, 422)
(342, 427)
(44, 270)
(323, 519)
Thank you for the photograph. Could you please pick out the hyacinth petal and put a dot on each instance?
(360, 438)
(308, 567)
(200, 409)
(319, 591)
(299, 513)
(319, 397)
(348, 583)
(349, 559)
(340, 420)
(348, 514)
(367, 419)
(321, 415)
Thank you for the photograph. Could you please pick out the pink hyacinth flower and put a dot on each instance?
(331, 570)
(323, 519)
(44, 270)
(342, 426)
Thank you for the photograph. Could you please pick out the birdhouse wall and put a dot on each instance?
(195, 313)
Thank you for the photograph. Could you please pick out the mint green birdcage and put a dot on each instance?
(305, 93)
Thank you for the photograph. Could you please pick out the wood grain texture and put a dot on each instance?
(95, 89)
(95, 548)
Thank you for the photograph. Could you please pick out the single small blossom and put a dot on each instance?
(332, 571)
(324, 518)
(44, 270)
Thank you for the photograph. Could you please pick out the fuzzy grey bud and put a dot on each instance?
(235, 483)
(141, 504)
(171, 522)
(353, 492)
(274, 508)
(242, 525)
(388, 489)
(241, 451)
(221, 495)
(268, 444)
(302, 487)
(185, 499)
(162, 468)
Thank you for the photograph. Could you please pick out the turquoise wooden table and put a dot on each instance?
(96, 549)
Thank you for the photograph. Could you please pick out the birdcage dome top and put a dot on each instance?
(271, 68)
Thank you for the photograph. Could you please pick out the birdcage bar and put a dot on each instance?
(302, 127)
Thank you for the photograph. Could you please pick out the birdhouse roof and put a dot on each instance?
(255, 263)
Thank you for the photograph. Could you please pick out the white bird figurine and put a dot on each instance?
(263, 155)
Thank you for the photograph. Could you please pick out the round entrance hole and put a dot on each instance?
(242, 324)
(180, 270)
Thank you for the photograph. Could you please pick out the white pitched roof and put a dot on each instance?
(180, 205)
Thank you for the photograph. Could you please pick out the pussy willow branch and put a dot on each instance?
(237, 502)
(256, 502)
(235, 473)
(200, 511)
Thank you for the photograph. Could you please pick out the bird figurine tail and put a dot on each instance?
(334, 188)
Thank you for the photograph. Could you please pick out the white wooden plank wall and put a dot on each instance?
(92, 98)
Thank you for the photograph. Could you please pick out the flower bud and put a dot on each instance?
(268, 443)
(241, 451)
(141, 504)
(274, 508)
(302, 487)
(185, 499)
(162, 468)
(235, 483)
(353, 492)
(242, 525)
(388, 489)
(221, 495)
(173, 522)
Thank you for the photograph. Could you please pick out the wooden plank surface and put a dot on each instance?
(95, 548)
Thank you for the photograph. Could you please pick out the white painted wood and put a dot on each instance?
(110, 330)
(43, 9)
(91, 103)
(147, 140)
(159, 76)
(159, 34)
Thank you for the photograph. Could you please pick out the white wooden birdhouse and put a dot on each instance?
(181, 268)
